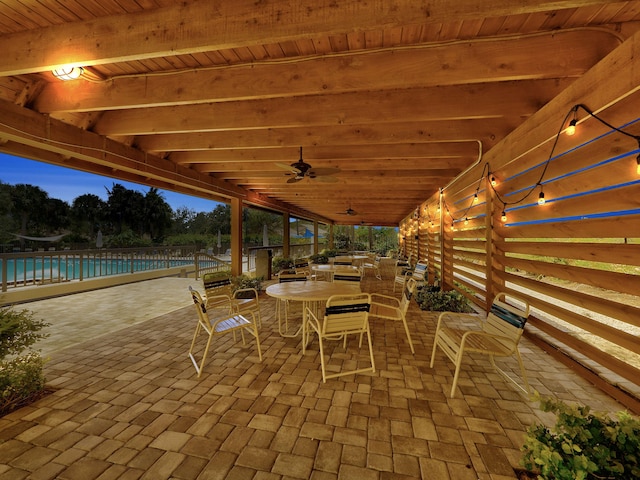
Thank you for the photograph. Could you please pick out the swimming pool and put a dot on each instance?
(62, 268)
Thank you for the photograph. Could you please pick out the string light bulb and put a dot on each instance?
(638, 162)
(504, 217)
(541, 200)
(466, 221)
(571, 129)
(494, 182)
(475, 198)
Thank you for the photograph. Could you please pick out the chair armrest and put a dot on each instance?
(480, 333)
(245, 290)
(384, 299)
(444, 316)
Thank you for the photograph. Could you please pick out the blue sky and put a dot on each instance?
(67, 184)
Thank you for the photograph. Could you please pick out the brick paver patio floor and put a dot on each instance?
(128, 405)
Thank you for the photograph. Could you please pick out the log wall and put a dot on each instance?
(576, 258)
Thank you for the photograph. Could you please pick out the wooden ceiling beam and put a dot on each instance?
(517, 98)
(499, 59)
(447, 151)
(358, 166)
(488, 132)
(206, 26)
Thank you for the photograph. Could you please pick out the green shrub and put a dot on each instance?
(21, 375)
(21, 381)
(434, 300)
(281, 263)
(18, 331)
(319, 258)
(245, 281)
(583, 445)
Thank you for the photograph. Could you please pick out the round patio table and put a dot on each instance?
(308, 293)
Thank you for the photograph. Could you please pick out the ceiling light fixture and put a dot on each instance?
(68, 73)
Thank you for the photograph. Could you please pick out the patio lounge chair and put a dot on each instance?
(344, 315)
(497, 336)
(374, 266)
(215, 326)
(219, 293)
(419, 274)
(390, 308)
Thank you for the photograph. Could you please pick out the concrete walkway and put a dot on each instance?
(128, 404)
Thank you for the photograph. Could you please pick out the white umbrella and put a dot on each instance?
(99, 239)
(219, 242)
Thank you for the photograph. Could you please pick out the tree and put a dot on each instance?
(28, 206)
(125, 209)
(88, 211)
(182, 220)
(57, 215)
(157, 214)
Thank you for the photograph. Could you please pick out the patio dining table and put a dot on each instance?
(310, 294)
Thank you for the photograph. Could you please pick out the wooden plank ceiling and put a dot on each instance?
(206, 97)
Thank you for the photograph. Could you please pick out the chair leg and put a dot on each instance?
(373, 362)
(322, 365)
(406, 329)
(255, 334)
(433, 351)
(456, 375)
(206, 350)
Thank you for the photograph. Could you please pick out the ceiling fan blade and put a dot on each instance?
(291, 169)
(317, 172)
(327, 179)
(294, 179)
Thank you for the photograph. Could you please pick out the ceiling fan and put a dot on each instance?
(348, 211)
(301, 169)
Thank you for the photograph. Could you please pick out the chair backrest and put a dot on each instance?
(347, 275)
(291, 276)
(217, 288)
(346, 313)
(199, 304)
(301, 263)
(507, 320)
(420, 272)
(342, 260)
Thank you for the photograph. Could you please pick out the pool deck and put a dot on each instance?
(128, 405)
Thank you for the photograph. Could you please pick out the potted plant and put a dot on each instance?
(433, 299)
(582, 444)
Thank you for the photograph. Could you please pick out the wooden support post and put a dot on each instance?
(236, 236)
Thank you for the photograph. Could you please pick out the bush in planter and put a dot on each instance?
(245, 281)
(433, 299)
(319, 258)
(583, 445)
(281, 263)
(21, 375)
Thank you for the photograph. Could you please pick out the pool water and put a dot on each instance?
(49, 268)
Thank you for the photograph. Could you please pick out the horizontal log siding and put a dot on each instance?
(576, 258)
